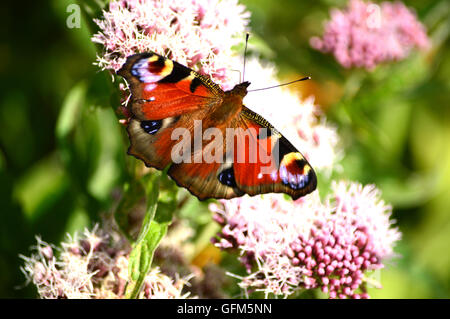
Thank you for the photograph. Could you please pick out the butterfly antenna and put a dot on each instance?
(275, 86)
(245, 54)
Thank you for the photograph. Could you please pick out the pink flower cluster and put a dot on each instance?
(198, 34)
(94, 265)
(307, 244)
(367, 34)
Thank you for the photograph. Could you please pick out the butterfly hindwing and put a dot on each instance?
(206, 173)
(204, 179)
(153, 140)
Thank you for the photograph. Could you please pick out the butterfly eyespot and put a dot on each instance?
(135, 72)
(226, 177)
(151, 127)
(137, 68)
(157, 63)
(294, 171)
(151, 70)
(295, 181)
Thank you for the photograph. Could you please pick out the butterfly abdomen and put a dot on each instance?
(227, 111)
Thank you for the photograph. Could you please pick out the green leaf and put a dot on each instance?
(154, 226)
(70, 111)
(151, 184)
(108, 156)
(41, 186)
(132, 197)
(90, 144)
(93, 7)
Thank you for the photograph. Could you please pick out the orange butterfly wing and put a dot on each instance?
(167, 96)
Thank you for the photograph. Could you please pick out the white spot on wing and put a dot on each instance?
(274, 175)
(150, 87)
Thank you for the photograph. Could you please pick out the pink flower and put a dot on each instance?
(306, 244)
(198, 33)
(93, 265)
(366, 34)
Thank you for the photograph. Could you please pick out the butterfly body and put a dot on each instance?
(214, 145)
(231, 105)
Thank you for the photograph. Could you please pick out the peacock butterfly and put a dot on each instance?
(181, 120)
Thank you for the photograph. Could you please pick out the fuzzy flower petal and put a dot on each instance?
(199, 35)
(93, 265)
(366, 34)
(307, 244)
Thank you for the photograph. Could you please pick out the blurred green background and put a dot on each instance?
(63, 152)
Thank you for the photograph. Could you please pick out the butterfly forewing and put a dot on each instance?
(164, 96)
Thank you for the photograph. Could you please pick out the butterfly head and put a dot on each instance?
(241, 88)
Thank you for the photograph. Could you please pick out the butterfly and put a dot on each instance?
(171, 105)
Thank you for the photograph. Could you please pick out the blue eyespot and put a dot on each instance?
(226, 177)
(151, 127)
